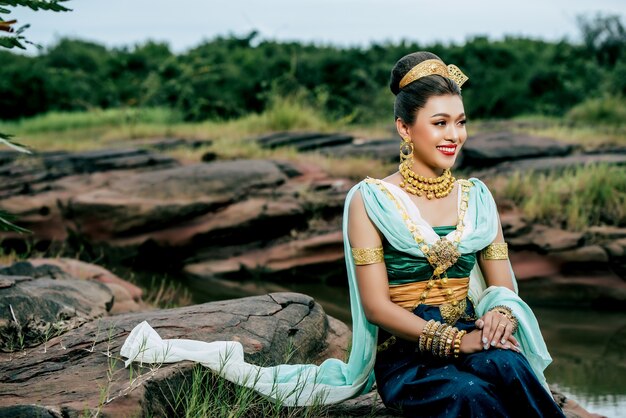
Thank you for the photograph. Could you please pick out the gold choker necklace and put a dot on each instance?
(437, 187)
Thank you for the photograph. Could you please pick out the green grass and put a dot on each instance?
(573, 199)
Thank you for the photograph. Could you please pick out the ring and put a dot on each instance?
(501, 325)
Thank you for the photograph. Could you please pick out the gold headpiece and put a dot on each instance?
(434, 66)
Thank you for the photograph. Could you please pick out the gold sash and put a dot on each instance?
(407, 295)
(449, 296)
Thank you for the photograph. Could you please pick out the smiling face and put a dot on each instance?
(438, 133)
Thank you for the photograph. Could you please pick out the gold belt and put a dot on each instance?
(449, 296)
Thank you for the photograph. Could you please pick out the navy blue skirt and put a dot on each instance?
(490, 383)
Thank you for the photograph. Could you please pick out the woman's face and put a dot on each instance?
(438, 133)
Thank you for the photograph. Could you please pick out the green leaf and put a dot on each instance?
(6, 140)
(6, 225)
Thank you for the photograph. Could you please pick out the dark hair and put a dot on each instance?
(414, 95)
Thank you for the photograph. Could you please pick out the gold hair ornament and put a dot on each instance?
(432, 67)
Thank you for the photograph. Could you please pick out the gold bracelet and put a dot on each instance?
(508, 312)
(496, 251)
(365, 256)
(457, 343)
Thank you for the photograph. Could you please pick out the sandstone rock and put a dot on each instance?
(546, 164)
(588, 254)
(80, 372)
(307, 256)
(547, 239)
(37, 306)
(487, 149)
(81, 270)
(607, 232)
(303, 141)
(378, 149)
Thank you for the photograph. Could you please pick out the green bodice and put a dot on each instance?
(405, 268)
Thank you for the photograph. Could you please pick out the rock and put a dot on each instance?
(513, 225)
(380, 149)
(159, 199)
(588, 254)
(33, 174)
(487, 149)
(547, 239)
(81, 372)
(304, 259)
(547, 164)
(303, 141)
(606, 232)
(39, 305)
(81, 270)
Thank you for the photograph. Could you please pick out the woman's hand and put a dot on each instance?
(472, 343)
(497, 330)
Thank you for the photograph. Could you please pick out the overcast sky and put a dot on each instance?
(186, 23)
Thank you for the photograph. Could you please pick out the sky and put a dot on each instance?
(184, 24)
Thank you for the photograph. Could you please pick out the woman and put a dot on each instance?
(417, 236)
(448, 345)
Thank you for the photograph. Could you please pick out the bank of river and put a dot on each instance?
(588, 347)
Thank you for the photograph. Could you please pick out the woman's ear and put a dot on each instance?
(403, 128)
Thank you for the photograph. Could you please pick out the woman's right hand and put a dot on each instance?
(471, 343)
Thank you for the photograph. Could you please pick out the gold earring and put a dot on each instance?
(406, 150)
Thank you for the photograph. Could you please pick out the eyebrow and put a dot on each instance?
(445, 115)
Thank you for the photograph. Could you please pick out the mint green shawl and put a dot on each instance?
(334, 380)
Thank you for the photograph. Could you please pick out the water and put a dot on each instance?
(588, 347)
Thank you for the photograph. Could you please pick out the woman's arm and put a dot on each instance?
(497, 329)
(373, 282)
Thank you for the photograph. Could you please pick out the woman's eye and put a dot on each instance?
(463, 122)
(440, 123)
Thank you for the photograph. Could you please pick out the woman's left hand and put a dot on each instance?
(497, 329)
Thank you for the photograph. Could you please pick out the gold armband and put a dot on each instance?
(496, 251)
(364, 256)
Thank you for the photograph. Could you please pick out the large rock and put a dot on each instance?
(546, 164)
(546, 239)
(487, 149)
(309, 259)
(303, 141)
(81, 373)
(38, 302)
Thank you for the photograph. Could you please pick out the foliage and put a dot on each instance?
(17, 40)
(609, 110)
(574, 199)
(234, 76)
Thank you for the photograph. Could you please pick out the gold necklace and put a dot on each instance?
(433, 187)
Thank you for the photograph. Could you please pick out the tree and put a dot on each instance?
(16, 39)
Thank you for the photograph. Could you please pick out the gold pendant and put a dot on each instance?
(451, 313)
(443, 254)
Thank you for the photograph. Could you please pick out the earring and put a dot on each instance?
(406, 150)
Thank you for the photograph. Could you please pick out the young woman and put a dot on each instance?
(435, 311)
(425, 247)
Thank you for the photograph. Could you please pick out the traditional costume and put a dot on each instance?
(495, 382)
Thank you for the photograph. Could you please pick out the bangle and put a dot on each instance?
(365, 256)
(496, 251)
(508, 312)
(457, 343)
(449, 342)
(425, 333)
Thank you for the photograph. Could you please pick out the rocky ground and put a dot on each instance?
(277, 220)
(62, 320)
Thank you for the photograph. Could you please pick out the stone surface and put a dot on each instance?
(588, 254)
(547, 239)
(546, 164)
(81, 371)
(305, 259)
(43, 301)
(303, 141)
(488, 149)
